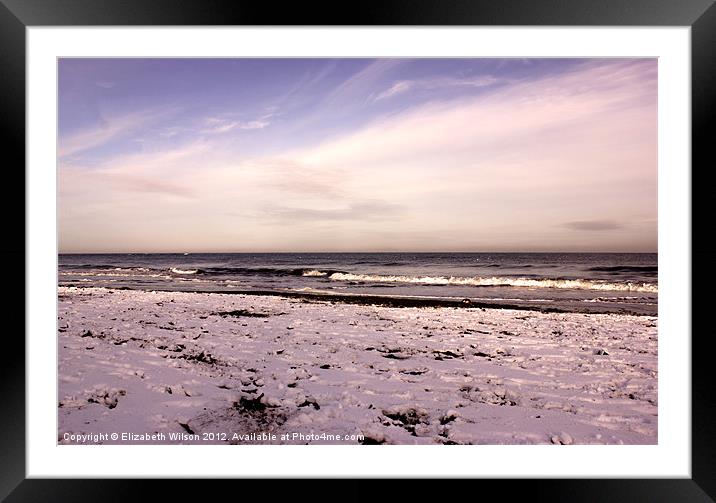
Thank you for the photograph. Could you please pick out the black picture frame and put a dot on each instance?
(17, 15)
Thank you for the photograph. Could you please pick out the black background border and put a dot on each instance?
(16, 15)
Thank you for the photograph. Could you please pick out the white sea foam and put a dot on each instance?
(176, 270)
(314, 272)
(576, 284)
(193, 280)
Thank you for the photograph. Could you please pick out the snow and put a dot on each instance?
(223, 368)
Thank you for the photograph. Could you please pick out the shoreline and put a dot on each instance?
(421, 301)
(189, 364)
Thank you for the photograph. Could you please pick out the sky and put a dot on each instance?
(272, 155)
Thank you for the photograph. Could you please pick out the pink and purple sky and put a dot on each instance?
(241, 155)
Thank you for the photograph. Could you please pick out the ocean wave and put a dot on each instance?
(102, 267)
(625, 268)
(575, 284)
(113, 274)
(88, 266)
(176, 270)
(265, 271)
(313, 272)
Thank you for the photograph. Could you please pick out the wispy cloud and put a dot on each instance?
(360, 86)
(291, 176)
(107, 130)
(172, 131)
(397, 88)
(119, 183)
(360, 210)
(219, 126)
(301, 91)
(403, 86)
(161, 172)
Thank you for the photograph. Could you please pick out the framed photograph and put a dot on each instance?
(457, 233)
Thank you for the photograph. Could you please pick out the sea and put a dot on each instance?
(590, 282)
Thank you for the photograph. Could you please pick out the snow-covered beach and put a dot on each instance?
(180, 367)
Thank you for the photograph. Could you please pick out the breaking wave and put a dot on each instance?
(264, 271)
(313, 272)
(176, 270)
(575, 284)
